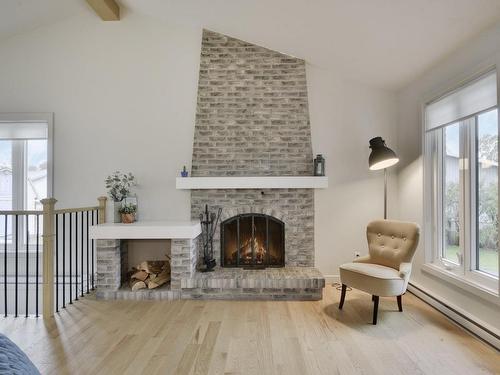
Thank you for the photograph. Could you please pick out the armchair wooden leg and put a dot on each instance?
(400, 303)
(375, 309)
(342, 296)
(373, 298)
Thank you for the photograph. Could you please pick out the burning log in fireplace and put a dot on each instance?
(150, 274)
(253, 240)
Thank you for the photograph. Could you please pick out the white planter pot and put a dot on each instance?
(116, 212)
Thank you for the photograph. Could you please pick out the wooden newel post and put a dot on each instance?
(48, 256)
(102, 209)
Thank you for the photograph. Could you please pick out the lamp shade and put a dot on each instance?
(381, 156)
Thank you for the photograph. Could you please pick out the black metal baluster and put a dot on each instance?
(27, 260)
(268, 253)
(37, 261)
(88, 291)
(252, 241)
(93, 214)
(70, 262)
(76, 256)
(17, 263)
(57, 259)
(5, 265)
(238, 242)
(81, 249)
(64, 260)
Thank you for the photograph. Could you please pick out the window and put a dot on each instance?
(25, 165)
(486, 215)
(451, 194)
(461, 151)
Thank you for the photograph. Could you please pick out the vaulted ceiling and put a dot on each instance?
(385, 43)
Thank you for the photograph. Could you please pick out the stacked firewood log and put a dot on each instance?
(150, 274)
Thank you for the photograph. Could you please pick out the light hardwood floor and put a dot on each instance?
(250, 337)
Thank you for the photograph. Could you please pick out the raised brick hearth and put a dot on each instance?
(301, 283)
(289, 283)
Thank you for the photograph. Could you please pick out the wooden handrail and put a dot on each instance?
(79, 209)
(40, 212)
(21, 212)
(51, 228)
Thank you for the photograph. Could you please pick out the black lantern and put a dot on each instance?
(319, 165)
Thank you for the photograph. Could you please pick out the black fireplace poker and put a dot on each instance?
(209, 221)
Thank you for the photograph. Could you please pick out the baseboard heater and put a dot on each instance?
(472, 326)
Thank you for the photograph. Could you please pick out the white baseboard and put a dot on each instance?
(469, 322)
(330, 279)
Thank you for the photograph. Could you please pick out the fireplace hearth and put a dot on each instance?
(252, 241)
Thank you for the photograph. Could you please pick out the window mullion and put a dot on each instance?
(18, 178)
(469, 194)
(17, 175)
(463, 178)
(439, 164)
(498, 191)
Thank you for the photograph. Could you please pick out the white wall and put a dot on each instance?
(345, 115)
(124, 97)
(458, 66)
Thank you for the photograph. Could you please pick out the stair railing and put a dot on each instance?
(59, 239)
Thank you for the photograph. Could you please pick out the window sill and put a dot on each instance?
(463, 283)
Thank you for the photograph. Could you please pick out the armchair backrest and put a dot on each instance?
(392, 242)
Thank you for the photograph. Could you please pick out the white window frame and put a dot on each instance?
(463, 275)
(18, 188)
(36, 117)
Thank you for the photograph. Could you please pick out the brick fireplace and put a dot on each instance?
(293, 207)
(252, 123)
(252, 119)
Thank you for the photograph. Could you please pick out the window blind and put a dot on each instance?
(24, 130)
(477, 96)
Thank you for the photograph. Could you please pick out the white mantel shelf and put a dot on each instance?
(264, 182)
(146, 230)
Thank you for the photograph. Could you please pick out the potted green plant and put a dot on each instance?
(127, 212)
(119, 186)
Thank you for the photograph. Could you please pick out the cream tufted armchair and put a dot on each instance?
(386, 270)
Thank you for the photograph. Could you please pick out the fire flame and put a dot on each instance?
(246, 250)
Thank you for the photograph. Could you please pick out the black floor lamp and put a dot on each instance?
(381, 157)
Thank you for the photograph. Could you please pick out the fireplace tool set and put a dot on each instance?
(209, 221)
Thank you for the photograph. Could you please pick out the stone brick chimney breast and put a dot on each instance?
(252, 119)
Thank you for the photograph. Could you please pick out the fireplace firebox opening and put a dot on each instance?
(253, 241)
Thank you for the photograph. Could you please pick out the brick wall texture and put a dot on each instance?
(252, 120)
(252, 115)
